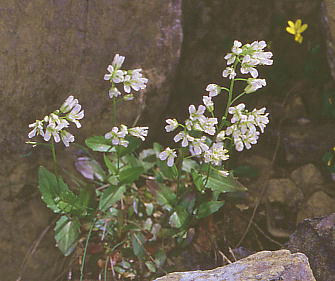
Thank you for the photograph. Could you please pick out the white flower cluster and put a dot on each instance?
(118, 134)
(198, 146)
(244, 125)
(131, 79)
(54, 124)
(250, 56)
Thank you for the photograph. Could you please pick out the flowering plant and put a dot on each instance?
(141, 206)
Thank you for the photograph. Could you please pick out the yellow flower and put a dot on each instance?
(296, 29)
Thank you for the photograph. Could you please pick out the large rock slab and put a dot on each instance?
(49, 50)
(316, 239)
(265, 266)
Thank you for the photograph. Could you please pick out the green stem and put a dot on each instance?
(180, 166)
(224, 88)
(114, 112)
(235, 99)
(105, 271)
(85, 251)
(207, 176)
(229, 96)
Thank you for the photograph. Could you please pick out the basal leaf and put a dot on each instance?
(110, 196)
(166, 197)
(51, 188)
(138, 240)
(208, 208)
(67, 232)
(178, 218)
(100, 144)
(130, 174)
(219, 182)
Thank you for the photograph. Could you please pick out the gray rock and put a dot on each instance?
(265, 266)
(328, 18)
(316, 239)
(302, 143)
(51, 49)
(284, 191)
(307, 177)
(319, 204)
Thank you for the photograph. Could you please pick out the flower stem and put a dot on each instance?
(85, 250)
(114, 112)
(235, 99)
(207, 176)
(105, 271)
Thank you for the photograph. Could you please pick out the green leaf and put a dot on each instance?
(110, 196)
(160, 258)
(165, 197)
(100, 144)
(178, 218)
(138, 240)
(218, 182)
(130, 174)
(189, 165)
(133, 144)
(67, 232)
(112, 167)
(151, 266)
(170, 173)
(208, 208)
(51, 188)
(198, 180)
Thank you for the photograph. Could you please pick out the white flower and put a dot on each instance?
(128, 97)
(139, 132)
(254, 85)
(248, 65)
(66, 137)
(199, 146)
(59, 122)
(208, 103)
(213, 90)
(114, 92)
(230, 58)
(51, 131)
(75, 115)
(238, 144)
(221, 136)
(134, 80)
(258, 45)
(118, 61)
(237, 112)
(196, 114)
(184, 137)
(168, 154)
(69, 103)
(37, 129)
(229, 71)
(118, 136)
(208, 125)
(114, 75)
(261, 119)
(236, 49)
(173, 124)
(216, 154)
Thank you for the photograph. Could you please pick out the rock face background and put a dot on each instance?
(49, 50)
